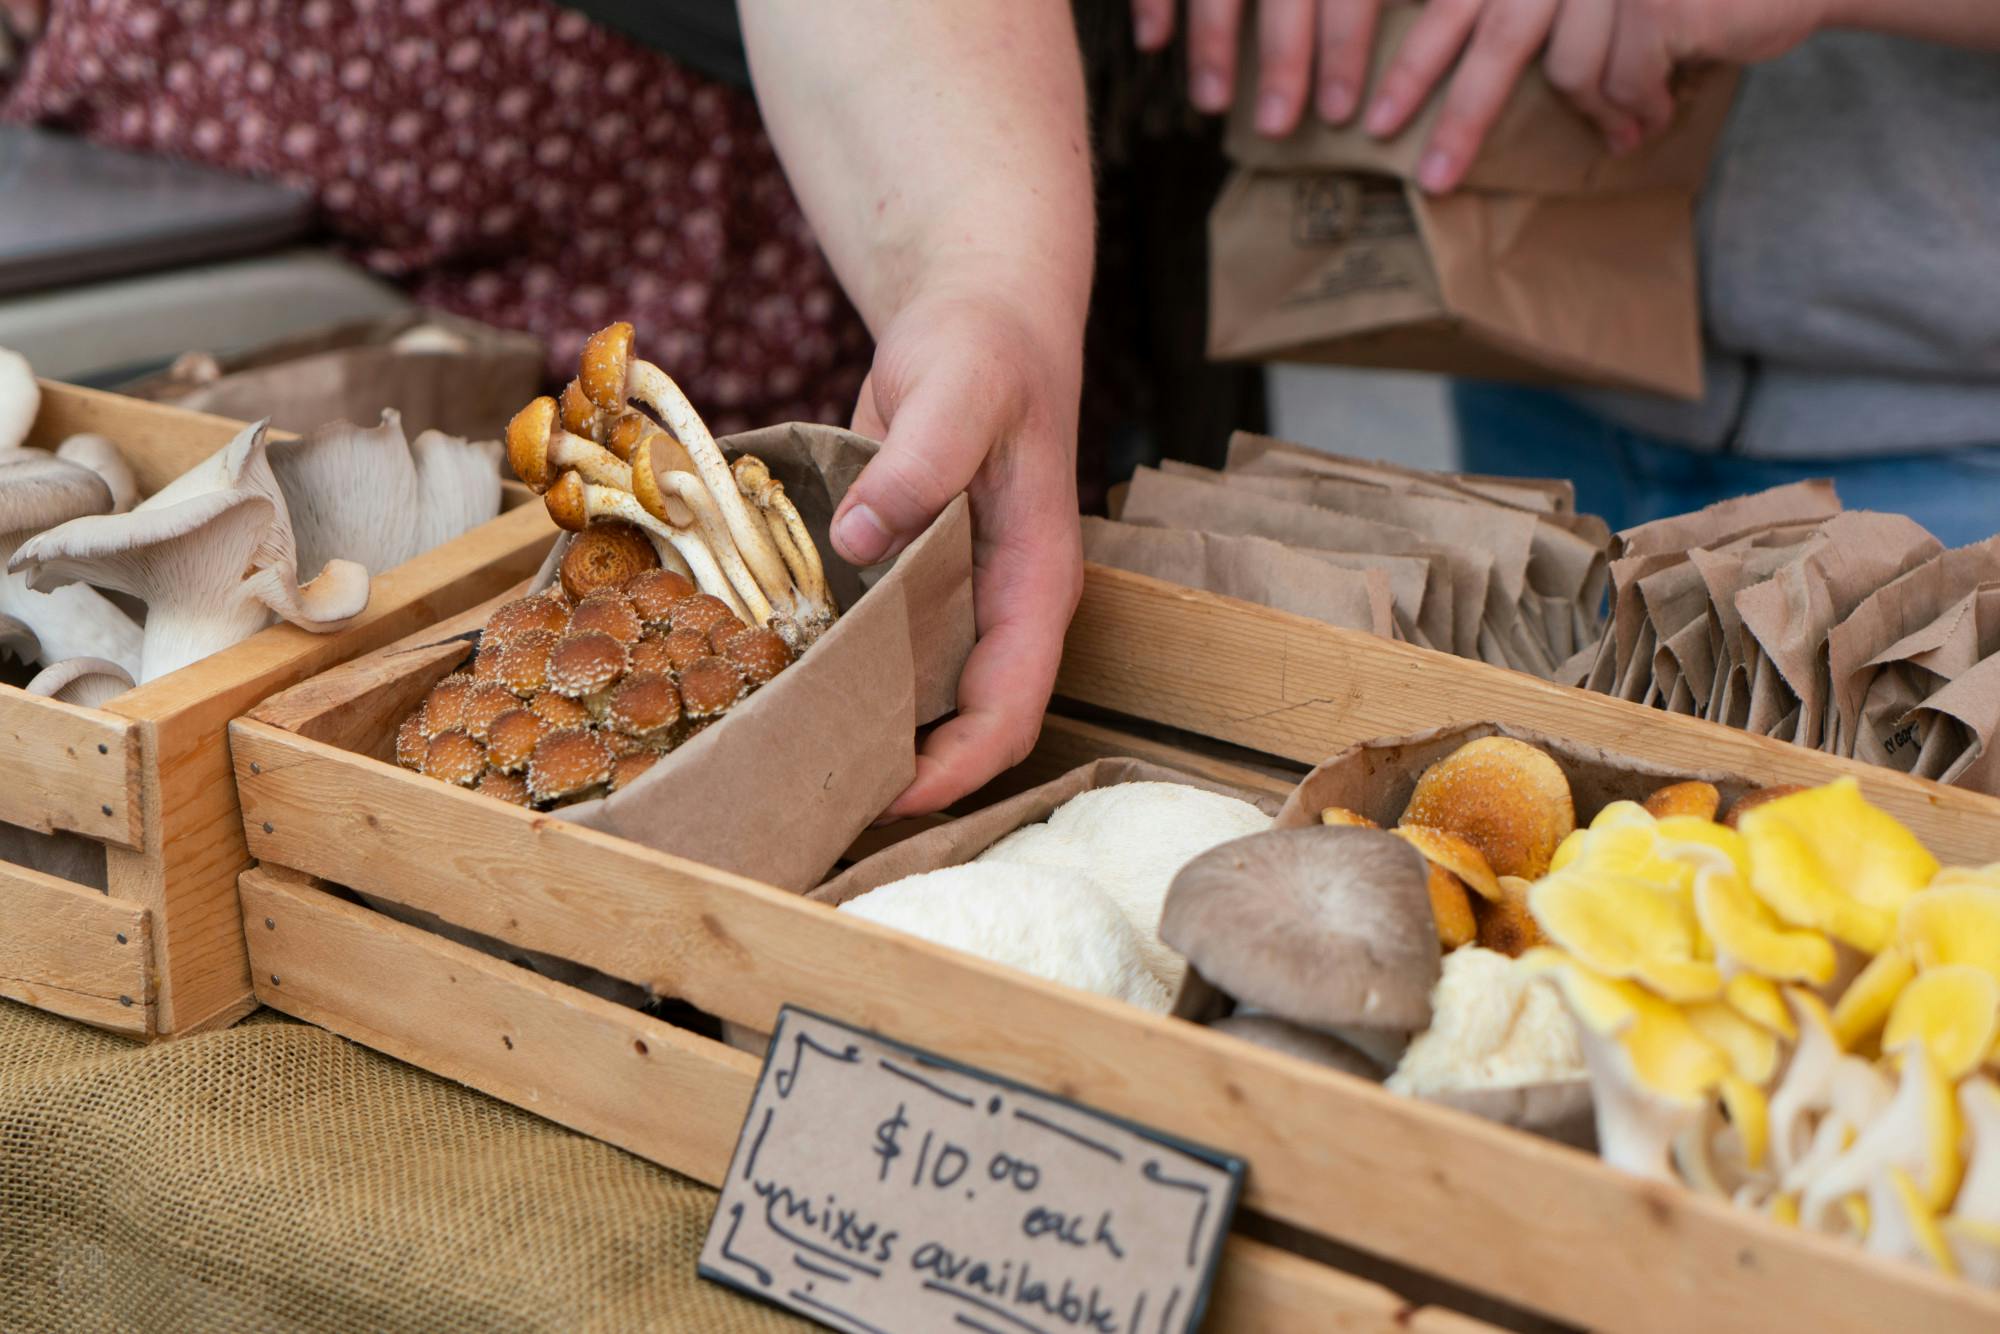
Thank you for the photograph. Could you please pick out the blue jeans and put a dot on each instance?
(1629, 478)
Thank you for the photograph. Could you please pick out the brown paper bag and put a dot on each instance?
(1250, 452)
(440, 371)
(1965, 718)
(1254, 569)
(1914, 670)
(786, 782)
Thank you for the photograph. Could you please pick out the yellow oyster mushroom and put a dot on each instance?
(1626, 927)
(1676, 830)
(1954, 1010)
(1918, 1131)
(1953, 921)
(1568, 850)
(1748, 936)
(1828, 860)
(1760, 1000)
(1864, 1007)
(1752, 1049)
(1903, 1225)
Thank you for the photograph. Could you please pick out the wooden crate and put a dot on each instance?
(160, 951)
(1502, 1214)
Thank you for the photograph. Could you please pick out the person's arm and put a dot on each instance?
(942, 154)
(1972, 23)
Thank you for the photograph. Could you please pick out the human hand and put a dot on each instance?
(968, 394)
(1612, 58)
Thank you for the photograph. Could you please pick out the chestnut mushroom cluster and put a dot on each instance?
(623, 458)
(571, 698)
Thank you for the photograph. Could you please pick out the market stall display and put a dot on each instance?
(122, 841)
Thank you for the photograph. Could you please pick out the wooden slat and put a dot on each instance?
(1070, 743)
(68, 768)
(1304, 690)
(159, 441)
(613, 1073)
(74, 952)
(186, 873)
(1422, 1185)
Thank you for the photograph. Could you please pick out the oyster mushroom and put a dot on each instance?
(39, 492)
(1954, 1011)
(1749, 938)
(103, 458)
(540, 450)
(20, 399)
(211, 555)
(575, 504)
(88, 682)
(1307, 1044)
(605, 555)
(1505, 797)
(1827, 860)
(1623, 926)
(1327, 927)
(18, 638)
(1917, 1132)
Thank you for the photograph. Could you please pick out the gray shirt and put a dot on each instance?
(1850, 247)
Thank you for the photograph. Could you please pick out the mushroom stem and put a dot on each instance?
(678, 499)
(573, 503)
(788, 533)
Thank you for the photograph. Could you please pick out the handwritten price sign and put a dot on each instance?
(880, 1190)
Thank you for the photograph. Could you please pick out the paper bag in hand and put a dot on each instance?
(1555, 262)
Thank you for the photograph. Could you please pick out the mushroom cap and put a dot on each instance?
(20, 399)
(411, 743)
(567, 762)
(606, 554)
(1507, 798)
(444, 707)
(454, 757)
(627, 768)
(644, 706)
(1451, 908)
(1307, 1044)
(558, 710)
(579, 415)
(483, 703)
(1954, 1010)
(654, 593)
(1341, 816)
(508, 787)
(1443, 848)
(524, 661)
(1506, 926)
(760, 651)
(1954, 921)
(39, 491)
(1827, 860)
(651, 657)
(583, 664)
(104, 458)
(701, 613)
(518, 617)
(486, 661)
(1626, 926)
(1328, 927)
(684, 647)
(710, 686)
(528, 436)
(18, 638)
(607, 355)
(609, 611)
(511, 738)
(568, 503)
(625, 431)
(1694, 798)
(1751, 800)
(624, 743)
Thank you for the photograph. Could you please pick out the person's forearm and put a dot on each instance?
(933, 145)
(1974, 23)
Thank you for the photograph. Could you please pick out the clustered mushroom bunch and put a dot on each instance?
(577, 691)
(1800, 1014)
(625, 447)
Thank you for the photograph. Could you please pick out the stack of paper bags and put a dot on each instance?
(1849, 632)
(1498, 569)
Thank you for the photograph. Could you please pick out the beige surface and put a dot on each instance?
(275, 1177)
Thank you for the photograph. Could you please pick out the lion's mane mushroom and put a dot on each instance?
(1327, 927)
(89, 682)
(103, 458)
(39, 492)
(1499, 1044)
(20, 399)
(540, 451)
(576, 504)
(211, 555)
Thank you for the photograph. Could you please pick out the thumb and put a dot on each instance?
(939, 434)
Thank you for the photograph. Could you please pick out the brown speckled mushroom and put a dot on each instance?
(609, 611)
(486, 661)
(540, 451)
(411, 743)
(654, 594)
(445, 705)
(759, 652)
(626, 768)
(568, 764)
(483, 703)
(604, 555)
(584, 666)
(575, 504)
(684, 648)
(518, 617)
(524, 662)
(511, 739)
(559, 710)
(650, 656)
(702, 614)
(646, 708)
(710, 687)
(625, 433)
(581, 417)
(511, 788)
(1328, 927)
(454, 757)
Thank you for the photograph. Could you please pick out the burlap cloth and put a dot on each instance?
(275, 1177)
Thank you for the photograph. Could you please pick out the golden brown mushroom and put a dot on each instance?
(411, 743)
(654, 594)
(445, 705)
(544, 612)
(558, 710)
(585, 664)
(604, 555)
(1505, 797)
(684, 648)
(1454, 854)
(524, 662)
(626, 768)
(568, 764)
(575, 504)
(650, 656)
(485, 702)
(1341, 817)
(1698, 799)
(454, 757)
(1506, 925)
(512, 737)
(610, 611)
(1750, 801)
(510, 788)
(541, 451)
(644, 707)
(761, 653)
(701, 614)
(710, 686)
(581, 417)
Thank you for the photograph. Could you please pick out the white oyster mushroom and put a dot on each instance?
(211, 555)
(458, 481)
(1978, 1199)
(104, 458)
(1132, 839)
(37, 492)
(20, 399)
(89, 682)
(1049, 923)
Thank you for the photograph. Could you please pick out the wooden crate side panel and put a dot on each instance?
(1070, 743)
(613, 1073)
(1297, 688)
(159, 441)
(68, 768)
(74, 952)
(1419, 1184)
(194, 847)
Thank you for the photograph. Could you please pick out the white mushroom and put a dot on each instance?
(39, 491)
(20, 399)
(211, 555)
(89, 682)
(103, 458)
(1917, 1134)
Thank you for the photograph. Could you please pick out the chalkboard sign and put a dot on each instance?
(881, 1190)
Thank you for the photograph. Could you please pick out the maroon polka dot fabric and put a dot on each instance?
(502, 159)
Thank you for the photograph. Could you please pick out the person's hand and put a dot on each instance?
(1613, 58)
(968, 394)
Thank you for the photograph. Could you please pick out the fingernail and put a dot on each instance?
(1210, 93)
(1434, 172)
(1272, 113)
(1336, 101)
(1383, 115)
(859, 533)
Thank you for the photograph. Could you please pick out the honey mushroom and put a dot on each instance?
(511, 739)
(646, 708)
(575, 504)
(651, 656)
(788, 533)
(509, 787)
(445, 705)
(605, 555)
(524, 661)
(485, 702)
(540, 451)
(558, 710)
(654, 594)
(608, 611)
(710, 687)
(760, 653)
(454, 757)
(626, 768)
(585, 665)
(568, 764)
